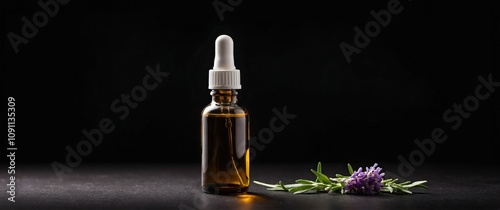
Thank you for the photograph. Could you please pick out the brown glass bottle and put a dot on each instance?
(225, 138)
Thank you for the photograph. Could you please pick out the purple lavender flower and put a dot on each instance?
(366, 182)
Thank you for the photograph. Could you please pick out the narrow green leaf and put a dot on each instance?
(321, 177)
(388, 189)
(405, 191)
(319, 168)
(341, 176)
(414, 184)
(387, 181)
(288, 186)
(349, 167)
(403, 183)
(304, 181)
(301, 189)
(335, 188)
(265, 184)
(276, 189)
(282, 186)
(304, 191)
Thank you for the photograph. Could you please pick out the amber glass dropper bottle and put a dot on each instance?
(225, 128)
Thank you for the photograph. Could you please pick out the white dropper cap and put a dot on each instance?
(224, 74)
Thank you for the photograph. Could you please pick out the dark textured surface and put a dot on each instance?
(168, 186)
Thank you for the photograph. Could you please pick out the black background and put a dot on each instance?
(372, 109)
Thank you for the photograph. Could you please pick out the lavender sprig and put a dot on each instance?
(367, 182)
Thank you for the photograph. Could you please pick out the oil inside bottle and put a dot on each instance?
(225, 164)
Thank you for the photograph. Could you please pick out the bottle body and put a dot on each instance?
(225, 139)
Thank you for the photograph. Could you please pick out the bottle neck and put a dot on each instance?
(224, 97)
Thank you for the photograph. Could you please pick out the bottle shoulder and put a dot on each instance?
(211, 109)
